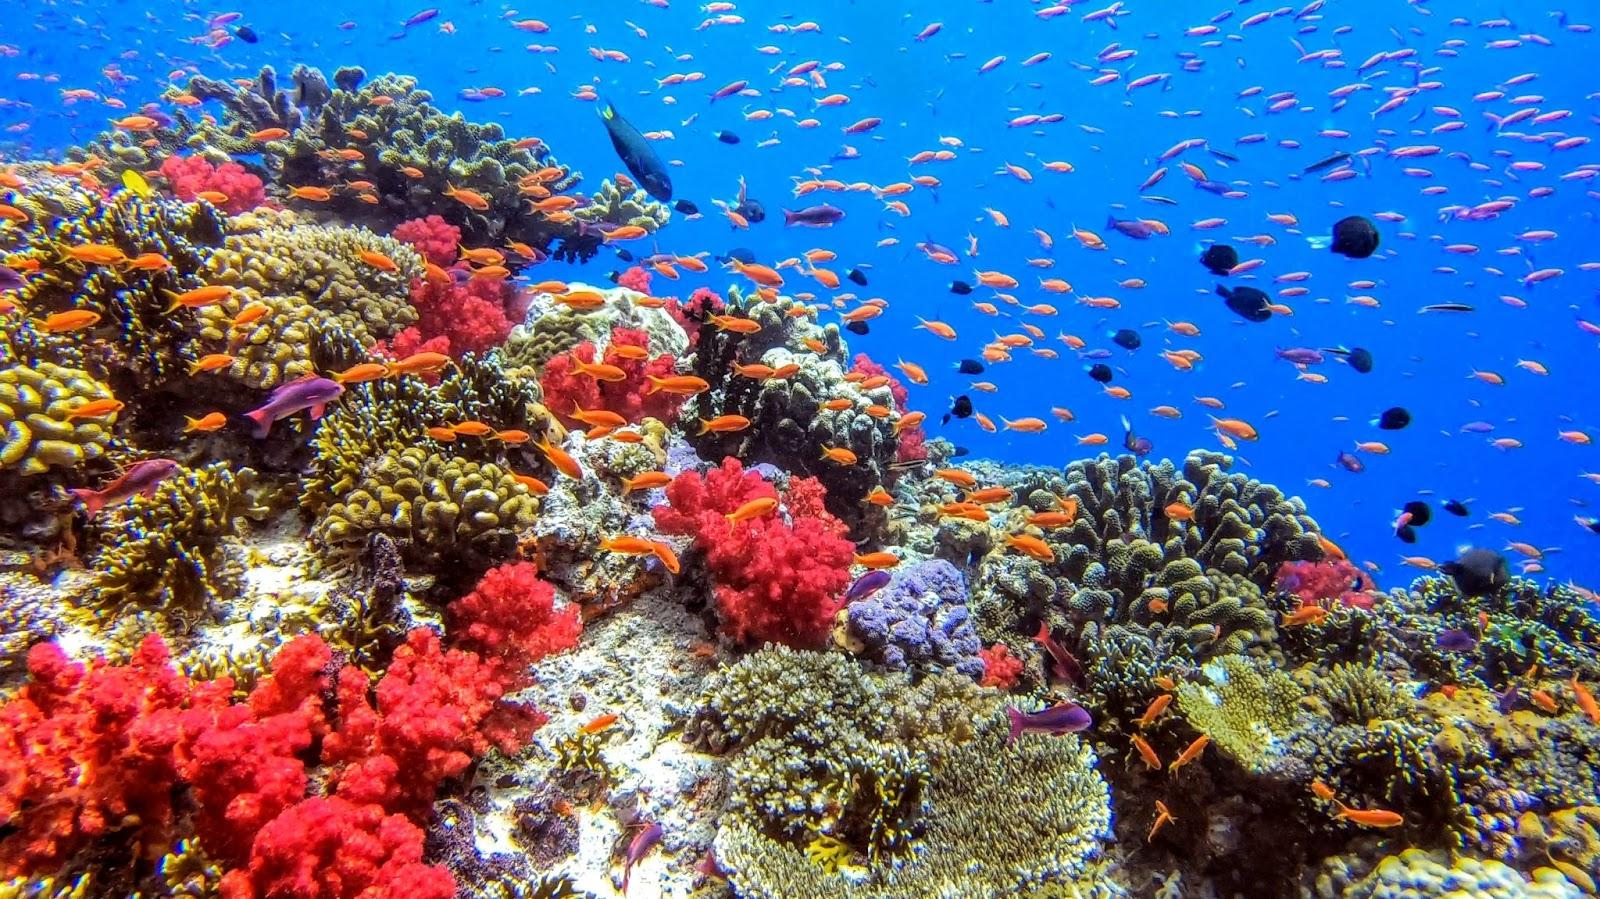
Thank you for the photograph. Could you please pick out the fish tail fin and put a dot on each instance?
(1015, 719)
(93, 500)
(788, 218)
(607, 111)
(655, 385)
(263, 420)
(173, 303)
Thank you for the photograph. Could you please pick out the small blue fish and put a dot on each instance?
(1063, 718)
(866, 585)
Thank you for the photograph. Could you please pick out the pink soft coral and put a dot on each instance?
(775, 581)
(1321, 583)
(911, 444)
(471, 316)
(436, 239)
(692, 314)
(511, 616)
(566, 389)
(1001, 669)
(332, 848)
(189, 176)
(635, 278)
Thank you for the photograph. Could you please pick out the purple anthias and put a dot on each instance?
(1131, 227)
(10, 280)
(1065, 718)
(641, 844)
(310, 392)
(141, 479)
(1456, 640)
(813, 216)
(1351, 463)
(1301, 355)
(867, 584)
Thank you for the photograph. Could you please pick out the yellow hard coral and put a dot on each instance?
(36, 403)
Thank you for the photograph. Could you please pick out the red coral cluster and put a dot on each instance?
(90, 750)
(511, 616)
(775, 580)
(189, 176)
(1322, 583)
(454, 318)
(696, 311)
(912, 443)
(635, 278)
(433, 237)
(1001, 669)
(568, 389)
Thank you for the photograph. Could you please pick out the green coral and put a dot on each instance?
(609, 205)
(36, 403)
(1357, 694)
(852, 784)
(1247, 709)
(170, 549)
(435, 506)
(189, 873)
(309, 277)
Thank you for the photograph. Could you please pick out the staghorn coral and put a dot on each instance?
(309, 276)
(171, 550)
(1247, 709)
(436, 506)
(847, 784)
(36, 405)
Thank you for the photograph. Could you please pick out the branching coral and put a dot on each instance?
(1246, 710)
(775, 581)
(170, 550)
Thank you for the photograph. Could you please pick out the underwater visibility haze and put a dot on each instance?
(1063, 448)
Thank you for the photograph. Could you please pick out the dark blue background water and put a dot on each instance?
(925, 90)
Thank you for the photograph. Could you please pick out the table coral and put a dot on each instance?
(775, 580)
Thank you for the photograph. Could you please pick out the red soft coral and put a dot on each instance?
(472, 316)
(911, 444)
(775, 581)
(86, 750)
(1001, 669)
(567, 389)
(635, 278)
(190, 176)
(435, 711)
(331, 848)
(1320, 583)
(511, 616)
(436, 239)
(694, 313)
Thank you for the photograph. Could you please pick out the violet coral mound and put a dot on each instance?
(920, 620)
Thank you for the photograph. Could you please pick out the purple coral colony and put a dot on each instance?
(352, 547)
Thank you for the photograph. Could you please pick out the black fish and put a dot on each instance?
(686, 207)
(1407, 534)
(246, 33)
(1351, 462)
(1360, 359)
(1455, 507)
(1127, 338)
(1328, 163)
(1250, 303)
(960, 407)
(752, 210)
(625, 254)
(1592, 525)
(970, 367)
(741, 254)
(959, 452)
(1393, 419)
(857, 276)
(858, 328)
(1446, 307)
(1479, 572)
(1100, 372)
(637, 154)
(727, 137)
(1222, 154)
(1355, 237)
(961, 288)
(614, 277)
(1133, 443)
(1219, 259)
(1419, 512)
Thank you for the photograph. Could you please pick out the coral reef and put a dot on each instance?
(919, 621)
(37, 406)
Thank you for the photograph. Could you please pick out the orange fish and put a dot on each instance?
(1154, 710)
(877, 560)
(199, 297)
(839, 454)
(378, 260)
(534, 485)
(210, 362)
(1585, 700)
(1025, 425)
(468, 198)
(268, 134)
(311, 193)
(1163, 817)
(1146, 752)
(724, 424)
(1179, 511)
(682, 385)
(1322, 791)
(211, 421)
(1031, 546)
(361, 371)
(1306, 614)
(648, 480)
(95, 409)
(94, 254)
(599, 723)
(561, 459)
(70, 320)
(1190, 753)
(1376, 817)
(755, 508)
(880, 497)
(958, 477)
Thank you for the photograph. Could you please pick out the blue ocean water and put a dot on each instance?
(1221, 77)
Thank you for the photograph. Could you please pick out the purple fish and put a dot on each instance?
(1065, 718)
(1216, 187)
(1351, 463)
(1131, 227)
(637, 847)
(1477, 427)
(1301, 355)
(141, 479)
(866, 585)
(310, 392)
(420, 17)
(813, 216)
(1509, 701)
(10, 280)
(1456, 640)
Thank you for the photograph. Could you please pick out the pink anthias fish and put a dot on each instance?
(309, 392)
(141, 479)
